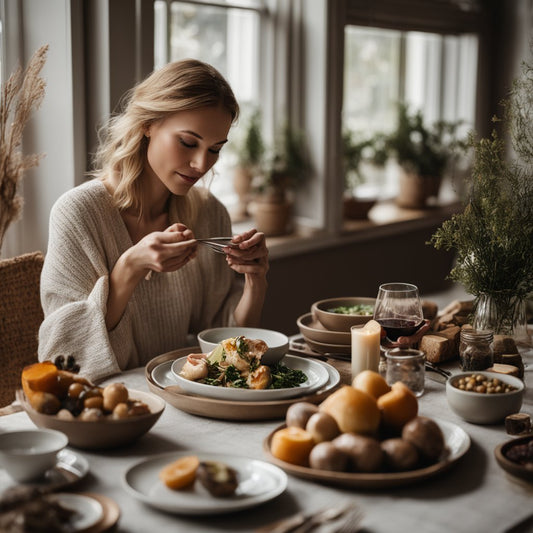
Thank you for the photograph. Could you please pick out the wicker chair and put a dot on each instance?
(21, 315)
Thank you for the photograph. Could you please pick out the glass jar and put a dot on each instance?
(476, 349)
(408, 366)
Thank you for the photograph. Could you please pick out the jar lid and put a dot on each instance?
(477, 335)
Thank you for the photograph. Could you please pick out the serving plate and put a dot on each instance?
(69, 469)
(314, 330)
(317, 376)
(457, 444)
(160, 380)
(515, 469)
(258, 482)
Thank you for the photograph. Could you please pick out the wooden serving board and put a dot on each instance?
(221, 409)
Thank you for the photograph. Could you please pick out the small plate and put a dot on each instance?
(509, 466)
(88, 511)
(258, 482)
(317, 376)
(314, 330)
(69, 469)
(327, 348)
(457, 443)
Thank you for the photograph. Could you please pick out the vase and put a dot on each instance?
(503, 313)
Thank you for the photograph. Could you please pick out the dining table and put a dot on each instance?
(473, 495)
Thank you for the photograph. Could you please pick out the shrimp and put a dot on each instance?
(240, 352)
(260, 378)
(195, 367)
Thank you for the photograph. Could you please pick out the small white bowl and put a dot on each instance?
(27, 454)
(278, 343)
(482, 408)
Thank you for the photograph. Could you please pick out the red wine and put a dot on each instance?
(399, 327)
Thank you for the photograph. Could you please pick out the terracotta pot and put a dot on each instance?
(272, 218)
(357, 208)
(242, 183)
(414, 190)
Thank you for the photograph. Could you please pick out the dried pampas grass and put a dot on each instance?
(21, 94)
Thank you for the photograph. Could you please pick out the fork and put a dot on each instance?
(351, 521)
(217, 244)
(302, 523)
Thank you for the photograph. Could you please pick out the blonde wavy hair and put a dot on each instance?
(178, 86)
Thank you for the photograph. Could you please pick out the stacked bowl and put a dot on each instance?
(327, 328)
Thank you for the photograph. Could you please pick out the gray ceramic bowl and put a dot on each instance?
(481, 408)
(339, 321)
(278, 343)
(27, 454)
(101, 434)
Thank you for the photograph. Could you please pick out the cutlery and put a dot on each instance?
(217, 244)
(301, 523)
(431, 367)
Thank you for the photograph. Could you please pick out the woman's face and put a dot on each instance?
(184, 146)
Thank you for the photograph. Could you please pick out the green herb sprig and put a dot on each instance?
(493, 236)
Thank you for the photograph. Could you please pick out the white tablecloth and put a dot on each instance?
(474, 495)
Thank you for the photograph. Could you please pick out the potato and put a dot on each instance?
(400, 455)
(218, 478)
(364, 453)
(426, 436)
(114, 394)
(45, 402)
(299, 413)
(326, 456)
(322, 427)
(91, 415)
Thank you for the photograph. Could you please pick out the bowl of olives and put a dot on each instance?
(484, 397)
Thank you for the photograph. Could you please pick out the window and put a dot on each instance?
(227, 35)
(433, 73)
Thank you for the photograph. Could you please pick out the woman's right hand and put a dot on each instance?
(163, 251)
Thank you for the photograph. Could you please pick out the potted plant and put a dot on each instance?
(493, 236)
(250, 152)
(288, 168)
(423, 154)
(359, 155)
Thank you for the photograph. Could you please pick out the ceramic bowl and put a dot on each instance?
(512, 467)
(313, 329)
(101, 434)
(322, 310)
(481, 408)
(278, 343)
(27, 454)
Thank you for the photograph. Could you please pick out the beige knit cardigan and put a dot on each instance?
(87, 236)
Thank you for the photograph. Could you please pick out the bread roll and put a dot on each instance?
(355, 411)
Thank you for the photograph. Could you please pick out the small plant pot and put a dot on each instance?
(272, 218)
(412, 192)
(358, 208)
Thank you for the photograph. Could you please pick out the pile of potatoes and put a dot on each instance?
(366, 427)
(54, 391)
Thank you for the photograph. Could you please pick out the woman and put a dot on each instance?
(124, 278)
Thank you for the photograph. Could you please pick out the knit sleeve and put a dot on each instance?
(74, 291)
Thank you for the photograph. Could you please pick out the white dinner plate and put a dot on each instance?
(88, 511)
(317, 376)
(259, 482)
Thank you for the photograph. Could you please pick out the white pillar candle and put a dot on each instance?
(365, 347)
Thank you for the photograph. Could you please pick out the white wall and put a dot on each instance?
(52, 129)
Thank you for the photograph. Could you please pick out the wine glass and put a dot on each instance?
(398, 309)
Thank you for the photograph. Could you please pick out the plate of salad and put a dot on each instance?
(292, 376)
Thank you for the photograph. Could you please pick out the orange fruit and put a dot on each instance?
(180, 473)
(292, 445)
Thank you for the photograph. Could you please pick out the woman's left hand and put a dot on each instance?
(406, 342)
(251, 255)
